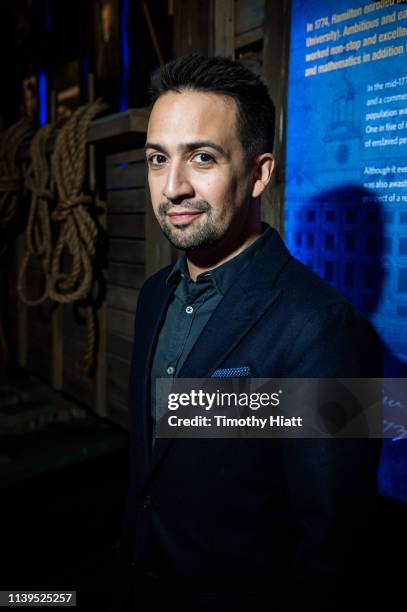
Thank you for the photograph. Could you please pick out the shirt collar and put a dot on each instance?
(224, 275)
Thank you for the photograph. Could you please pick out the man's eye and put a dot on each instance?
(156, 159)
(203, 158)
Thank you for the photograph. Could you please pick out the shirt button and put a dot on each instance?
(189, 309)
(170, 370)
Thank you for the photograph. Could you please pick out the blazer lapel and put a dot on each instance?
(241, 307)
(151, 328)
(254, 292)
(225, 330)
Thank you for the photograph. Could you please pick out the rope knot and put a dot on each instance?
(74, 201)
(66, 207)
(46, 194)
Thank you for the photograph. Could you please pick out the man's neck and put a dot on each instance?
(202, 261)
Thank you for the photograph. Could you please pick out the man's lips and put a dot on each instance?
(182, 216)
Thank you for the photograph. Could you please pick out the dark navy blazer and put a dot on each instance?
(223, 523)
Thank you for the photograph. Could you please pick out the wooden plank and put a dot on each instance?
(275, 62)
(22, 327)
(118, 372)
(224, 28)
(40, 364)
(98, 382)
(75, 380)
(99, 378)
(40, 334)
(133, 120)
(126, 175)
(247, 38)
(134, 155)
(109, 132)
(39, 344)
(34, 287)
(40, 329)
(120, 323)
(192, 29)
(126, 226)
(121, 298)
(75, 347)
(40, 339)
(77, 387)
(126, 201)
(158, 249)
(118, 412)
(117, 395)
(129, 251)
(126, 275)
(57, 347)
(249, 14)
(72, 326)
(119, 346)
(74, 352)
(117, 389)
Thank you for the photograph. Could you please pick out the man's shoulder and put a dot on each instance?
(306, 292)
(302, 279)
(328, 335)
(302, 290)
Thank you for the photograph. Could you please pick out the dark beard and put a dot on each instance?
(199, 239)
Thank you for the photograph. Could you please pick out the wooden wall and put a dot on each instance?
(192, 32)
(126, 227)
(51, 342)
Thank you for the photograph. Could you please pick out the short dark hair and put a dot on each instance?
(223, 76)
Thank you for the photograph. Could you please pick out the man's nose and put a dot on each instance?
(178, 185)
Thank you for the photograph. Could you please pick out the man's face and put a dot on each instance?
(200, 182)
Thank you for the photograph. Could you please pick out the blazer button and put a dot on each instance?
(147, 503)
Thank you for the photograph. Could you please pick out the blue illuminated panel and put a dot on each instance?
(43, 97)
(346, 186)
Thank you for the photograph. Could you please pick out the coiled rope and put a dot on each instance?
(10, 184)
(38, 236)
(77, 229)
(10, 173)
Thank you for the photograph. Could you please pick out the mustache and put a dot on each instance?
(197, 206)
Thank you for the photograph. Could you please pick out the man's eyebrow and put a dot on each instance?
(189, 146)
(156, 146)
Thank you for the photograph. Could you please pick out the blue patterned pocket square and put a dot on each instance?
(232, 372)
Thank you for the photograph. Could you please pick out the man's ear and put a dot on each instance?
(264, 169)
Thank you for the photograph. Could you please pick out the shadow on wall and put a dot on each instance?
(339, 233)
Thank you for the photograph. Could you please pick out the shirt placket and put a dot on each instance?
(185, 320)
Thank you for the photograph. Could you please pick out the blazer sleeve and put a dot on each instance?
(332, 483)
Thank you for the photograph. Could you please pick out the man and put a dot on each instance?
(232, 524)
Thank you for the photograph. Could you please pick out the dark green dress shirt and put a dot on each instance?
(190, 309)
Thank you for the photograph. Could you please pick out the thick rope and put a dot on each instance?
(10, 184)
(10, 174)
(78, 231)
(38, 233)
